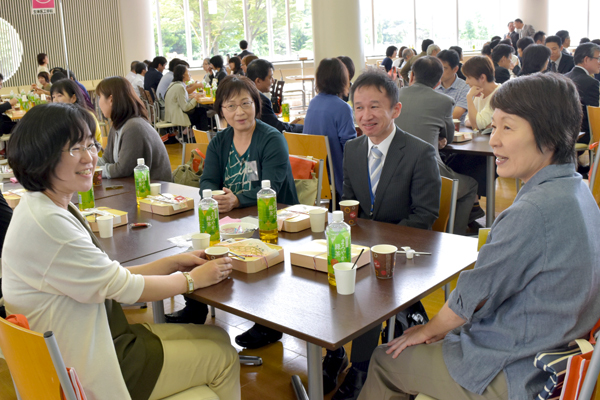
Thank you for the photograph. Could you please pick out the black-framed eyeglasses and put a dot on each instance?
(77, 151)
(246, 105)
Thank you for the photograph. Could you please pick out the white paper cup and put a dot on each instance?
(318, 216)
(105, 225)
(1, 187)
(155, 189)
(345, 277)
(218, 192)
(201, 241)
(212, 253)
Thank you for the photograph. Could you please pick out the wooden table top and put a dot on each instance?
(301, 77)
(479, 145)
(10, 114)
(206, 100)
(299, 301)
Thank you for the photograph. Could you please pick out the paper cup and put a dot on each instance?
(1, 187)
(456, 124)
(200, 241)
(212, 253)
(383, 260)
(105, 225)
(155, 189)
(97, 179)
(350, 209)
(218, 192)
(318, 216)
(345, 277)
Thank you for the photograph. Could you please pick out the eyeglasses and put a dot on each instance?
(77, 151)
(246, 105)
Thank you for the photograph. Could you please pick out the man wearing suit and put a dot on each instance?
(261, 73)
(559, 61)
(512, 34)
(396, 179)
(502, 58)
(524, 30)
(587, 63)
(427, 114)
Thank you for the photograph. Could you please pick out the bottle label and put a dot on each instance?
(338, 249)
(86, 199)
(142, 183)
(267, 213)
(209, 222)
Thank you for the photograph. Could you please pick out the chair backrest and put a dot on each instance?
(29, 362)
(201, 136)
(317, 146)
(448, 196)
(482, 237)
(191, 146)
(594, 121)
(149, 97)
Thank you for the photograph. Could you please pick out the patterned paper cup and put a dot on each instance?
(350, 209)
(383, 260)
(212, 253)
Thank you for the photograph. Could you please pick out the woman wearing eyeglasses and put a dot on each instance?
(247, 152)
(56, 274)
(131, 136)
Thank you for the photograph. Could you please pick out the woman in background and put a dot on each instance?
(131, 135)
(535, 59)
(235, 65)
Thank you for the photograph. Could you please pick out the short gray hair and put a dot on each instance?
(407, 52)
(583, 51)
(432, 48)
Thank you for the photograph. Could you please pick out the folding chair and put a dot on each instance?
(447, 214)
(317, 146)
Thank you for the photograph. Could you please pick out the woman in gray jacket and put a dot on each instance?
(131, 136)
(180, 107)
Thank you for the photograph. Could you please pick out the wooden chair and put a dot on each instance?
(447, 214)
(594, 120)
(201, 136)
(317, 146)
(38, 370)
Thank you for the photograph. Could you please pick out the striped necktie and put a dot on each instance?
(375, 167)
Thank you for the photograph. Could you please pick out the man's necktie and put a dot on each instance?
(375, 167)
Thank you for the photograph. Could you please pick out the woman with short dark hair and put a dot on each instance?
(390, 54)
(219, 73)
(328, 115)
(70, 286)
(42, 60)
(535, 59)
(235, 65)
(131, 135)
(542, 248)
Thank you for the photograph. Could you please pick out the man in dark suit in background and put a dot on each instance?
(512, 34)
(244, 47)
(566, 40)
(427, 114)
(261, 73)
(154, 74)
(502, 58)
(586, 63)
(559, 61)
(396, 179)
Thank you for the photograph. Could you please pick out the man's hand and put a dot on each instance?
(411, 337)
(227, 201)
(13, 101)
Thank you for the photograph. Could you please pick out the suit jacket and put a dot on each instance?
(268, 116)
(514, 38)
(151, 80)
(527, 31)
(565, 66)
(589, 94)
(426, 114)
(501, 74)
(409, 188)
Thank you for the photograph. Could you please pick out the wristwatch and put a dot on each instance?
(190, 283)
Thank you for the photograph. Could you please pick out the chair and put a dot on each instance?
(38, 370)
(277, 90)
(591, 376)
(201, 136)
(299, 177)
(447, 213)
(317, 146)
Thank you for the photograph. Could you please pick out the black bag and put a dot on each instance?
(412, 316)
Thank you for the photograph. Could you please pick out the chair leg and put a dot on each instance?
(212, 311)
(446, 291)
(250, 360)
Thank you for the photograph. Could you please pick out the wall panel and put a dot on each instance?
(93, 31)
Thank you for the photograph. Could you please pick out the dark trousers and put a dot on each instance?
(473, 166)
(198, 118)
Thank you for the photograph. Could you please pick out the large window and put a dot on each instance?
(571, 18)
(195, 29)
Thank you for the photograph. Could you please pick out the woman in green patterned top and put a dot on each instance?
(247, 152)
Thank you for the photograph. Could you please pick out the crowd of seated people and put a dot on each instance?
(540, 94)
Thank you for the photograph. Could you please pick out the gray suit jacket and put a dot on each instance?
(409, 188)
(426, 114)
(527, 31)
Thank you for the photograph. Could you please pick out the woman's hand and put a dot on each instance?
(412, 336)
(211, 272)
(475, 91)
(185, 262)
(227, 201)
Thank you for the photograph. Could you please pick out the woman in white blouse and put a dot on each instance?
(479, 72)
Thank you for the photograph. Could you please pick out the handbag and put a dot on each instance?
(189, 174)
(305, 178)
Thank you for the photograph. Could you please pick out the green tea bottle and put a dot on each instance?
(86, 199)
(141, 175)
(267, 213)
(208, 213)
(338, 244)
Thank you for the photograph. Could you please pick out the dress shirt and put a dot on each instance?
(458, 91)
(138, 82)
(165, 81)
(130, 76)
(383, 146)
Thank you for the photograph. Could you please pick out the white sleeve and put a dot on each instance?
(83, 272)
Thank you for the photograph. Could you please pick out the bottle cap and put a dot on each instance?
(266, 184)
(140, 161)
(338, 216)
(207, 194)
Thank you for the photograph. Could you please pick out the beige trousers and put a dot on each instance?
(196, 355)
(420, 369)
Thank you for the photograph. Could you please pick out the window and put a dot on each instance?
(394, 24)
(572, 18)
(436, 20)
(172, 28)
(594, 27)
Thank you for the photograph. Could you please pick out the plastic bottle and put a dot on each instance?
(86, 199)
(141, 175)
(208, 213)
(338, 244)
(207, 89)
(215, 85)
(267, 213)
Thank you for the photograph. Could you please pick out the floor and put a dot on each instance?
(281, 360)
